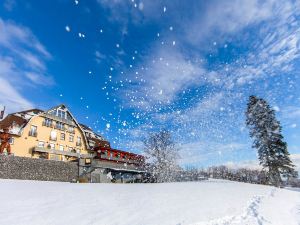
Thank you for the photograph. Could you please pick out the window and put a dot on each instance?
(71, 129)
(59, 126)
(61, 147)
(52, 146)
(78, 142)
(11, 140)
(61, 113)
(53, 135)
(33, 131)
(71, 138)
(47, 122)
(62, 136)
(41, 144)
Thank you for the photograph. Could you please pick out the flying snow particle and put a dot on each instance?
(294, 125)
(215, 43)
(158, 34)
(165, 9)
(81, 35)
(174, 43)
(107, 126)
(117, 45)
(276, 108)
(225, 46)
(76, 2)
(60, 95)
(68, 29)
(101, 31)
(161, 91)
(90, 72)
(171, 28)
(124, 123)
(81, 98)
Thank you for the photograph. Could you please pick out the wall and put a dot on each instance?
(13, 167)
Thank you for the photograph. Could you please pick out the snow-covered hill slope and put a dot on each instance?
(194, 203)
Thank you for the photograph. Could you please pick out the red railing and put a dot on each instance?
(118, 156)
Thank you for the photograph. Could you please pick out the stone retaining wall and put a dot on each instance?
(13, 167)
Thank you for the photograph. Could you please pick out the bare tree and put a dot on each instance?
(162, 153)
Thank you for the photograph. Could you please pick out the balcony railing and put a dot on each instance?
(66, 153)
(60, 128)
(71, 132)
(32, 133)
(47, 124)
(58, 152)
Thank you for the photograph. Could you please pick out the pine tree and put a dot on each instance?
(265, 129)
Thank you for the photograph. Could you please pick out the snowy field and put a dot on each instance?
(192, 203)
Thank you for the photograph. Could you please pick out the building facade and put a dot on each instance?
(56, 135)
(53, 134)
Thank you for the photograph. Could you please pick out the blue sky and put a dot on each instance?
(127, 68)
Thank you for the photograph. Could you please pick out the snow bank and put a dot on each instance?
(193, 203)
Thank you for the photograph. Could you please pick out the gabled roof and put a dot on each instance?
(11, 119)
(58, 106)
(35, 111)
(85, 127)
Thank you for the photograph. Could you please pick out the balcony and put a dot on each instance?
(32, 133)
(71, 132)
(66, 153)
(60, 128)
(47, 124)
(117, 166)
(57, 152)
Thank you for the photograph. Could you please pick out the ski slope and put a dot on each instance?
(192, 203)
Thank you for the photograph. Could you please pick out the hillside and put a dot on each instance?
(194, 203)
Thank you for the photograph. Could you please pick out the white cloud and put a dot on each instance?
(296, 161)
(166, 72)
(205, 152)
(291, 112)
(11, 98)
(247, 164)
(22, 64)
(227, 17)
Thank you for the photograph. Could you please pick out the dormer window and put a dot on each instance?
(61, 113)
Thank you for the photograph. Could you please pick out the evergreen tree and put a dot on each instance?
(265, 129)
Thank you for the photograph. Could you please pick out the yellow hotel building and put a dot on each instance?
(53, 134)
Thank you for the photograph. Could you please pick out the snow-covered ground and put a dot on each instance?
(193, 203)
